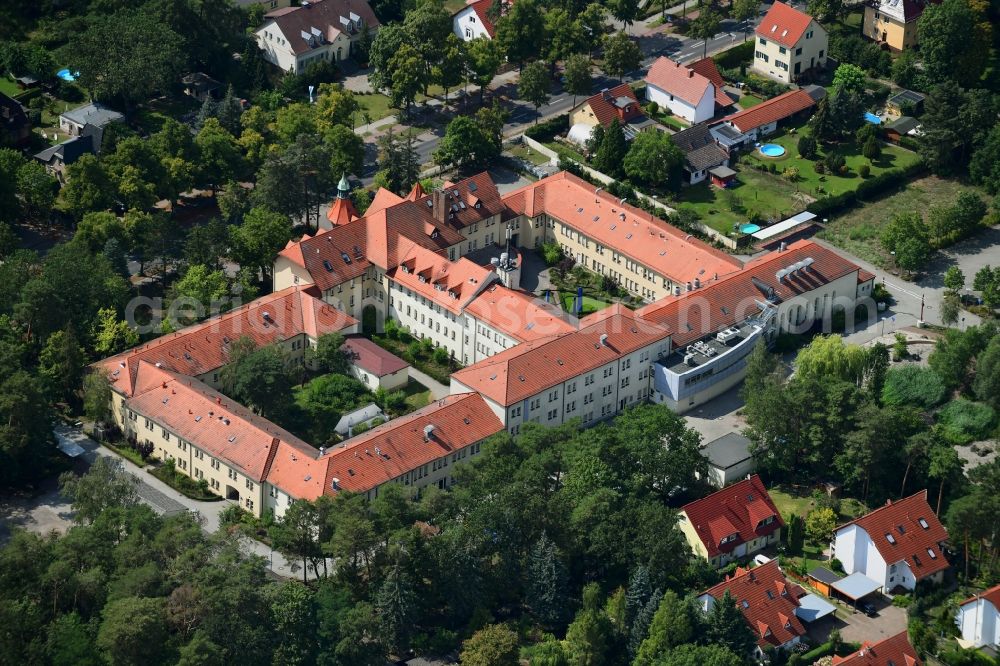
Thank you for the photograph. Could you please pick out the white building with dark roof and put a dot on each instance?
(318, 30)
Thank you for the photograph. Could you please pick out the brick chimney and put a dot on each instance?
(440, 205)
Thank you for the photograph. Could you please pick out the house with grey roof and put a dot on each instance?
(729, 459)
(319, 30)
(56, 158)
(703, 151)
(74, 121)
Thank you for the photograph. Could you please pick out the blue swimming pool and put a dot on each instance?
(771, 150)
(67, 75)
(749, 228)
(872, 118)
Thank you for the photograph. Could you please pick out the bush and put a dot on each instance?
(548, 129)
(833, 161)
(552, 253)
(964, 421)
(819, 167)
(864, 170)
(913, 385)
(836, 565)
(807, 147)
(652, 108)
(902, 601)
(734, 57)
(441, 356)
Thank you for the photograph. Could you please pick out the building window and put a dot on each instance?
(763, 42)
(782, 50)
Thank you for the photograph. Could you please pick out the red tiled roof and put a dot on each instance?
(341, 212)
(991, 595)
(531, 367)
(731, 298)
(383, 199)
(450, 284)
(893, 651)
(678, 80)
(378, 238)
(209, 420)
(204, 347)
(602, 104)
(517, 314)
(707, 68)
(621, 227)
(390, 450)
(324, 15)
(736, 509)
(783, 24)
(368, 356)
(864, 276)
(482, 7)
(758, 593)
(772, 110)
(914, 543)
(470, 200)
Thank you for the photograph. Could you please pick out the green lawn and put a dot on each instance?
(818, 185)
(590, 305)
(453, 5)
(8, 87)
(771, 196)
(673, 121)
(375, 104)
(857, 230)
(565, 151)
(789, 501)
(417, 395)
(526, 153)
(749, 100)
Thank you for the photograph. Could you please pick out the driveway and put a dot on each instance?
(42, 513)
(857, 627)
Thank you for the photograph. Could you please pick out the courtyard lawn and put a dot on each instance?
(527, 153)
(771, 196)
(565, 151)
(788, 500)
(858, 229)
(417, 396)
(749, 100)
(819, 185)
(590, 304)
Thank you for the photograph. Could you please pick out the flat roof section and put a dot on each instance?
(784, 225)
(824, 575)
(813, 607)
(856, 586)
(727, 451)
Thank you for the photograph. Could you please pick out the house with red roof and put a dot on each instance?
(319, 30)
(473, 21)
(610, 104)
(375, 367)
(732, 523)
(763, 119)
(767, 601)
(978, 618)
(681, 89)
(896, 545)
(790, 44)
(893, 651)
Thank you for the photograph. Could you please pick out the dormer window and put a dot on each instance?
(916, 560)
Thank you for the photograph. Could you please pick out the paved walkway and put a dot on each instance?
(437, 389)
(166, 501)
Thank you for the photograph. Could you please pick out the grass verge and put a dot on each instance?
(129, 454)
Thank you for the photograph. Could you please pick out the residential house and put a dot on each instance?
(893, 651)
(716, 321)
(729, 459)
(376, 367)
(318, 30)
(15, 126)
(900, 127)
(762, 119)
(893, 22)
(473, 21)
(768, 603)
(732, 523)
(707, 68)
(200, 86)
(896, 545)
(790, 44)
(56, 158)
(75, 121)
(978, 619)
(618, 103)
(681, 89)
(703, 151)
(905, 103)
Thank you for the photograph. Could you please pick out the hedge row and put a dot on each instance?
(548, 129)
(735, 56)
(868, 189)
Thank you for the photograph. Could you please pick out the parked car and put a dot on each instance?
(868, 609)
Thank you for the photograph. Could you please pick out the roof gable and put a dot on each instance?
(678, 80)
(767, 602)
(907, 530)
(772, 110)
(320, 22)
(784, 24)
(734, 515)
(707, 68)
(893, 651)
(604, 103)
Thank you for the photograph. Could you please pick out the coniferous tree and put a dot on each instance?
(547, 583)
(641, 623)
(725, 626)
(395, 605)
(674, 623)
(207, 110)
(611, 153)
(639, 591)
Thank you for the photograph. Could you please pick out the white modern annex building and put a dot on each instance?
(978, 619)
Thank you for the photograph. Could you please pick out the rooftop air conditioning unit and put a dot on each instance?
(725, 336)
(689, 359)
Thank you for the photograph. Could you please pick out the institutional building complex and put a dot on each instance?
(447, 266)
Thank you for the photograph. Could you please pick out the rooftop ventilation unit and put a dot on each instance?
(428, 432)
(780, 275)
(697, 283)
(726, 335)
(689, 359)
(604, 339)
